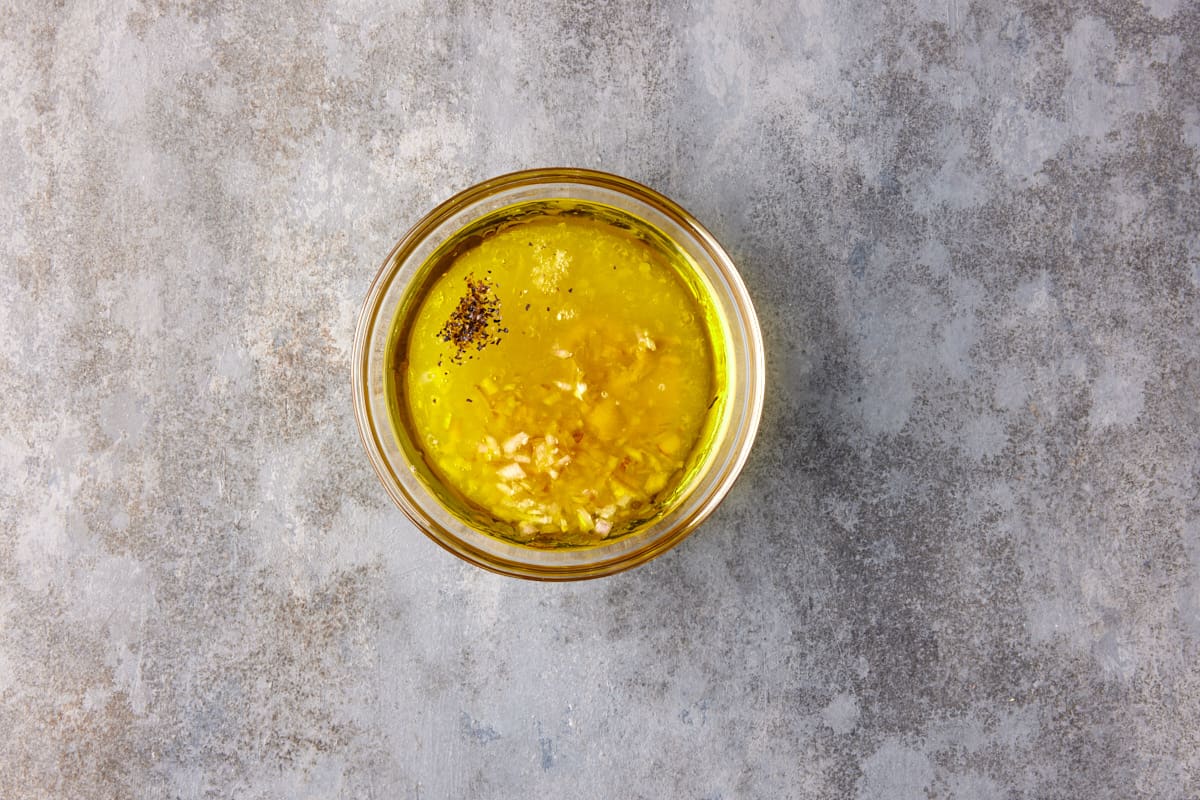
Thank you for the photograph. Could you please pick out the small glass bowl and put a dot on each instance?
(391, 292)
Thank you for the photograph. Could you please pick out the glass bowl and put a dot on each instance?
(401, 278)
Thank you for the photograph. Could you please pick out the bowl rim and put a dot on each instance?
(393, 264)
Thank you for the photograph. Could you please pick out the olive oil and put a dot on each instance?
(560, 373)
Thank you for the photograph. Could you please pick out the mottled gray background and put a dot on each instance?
(963, 561)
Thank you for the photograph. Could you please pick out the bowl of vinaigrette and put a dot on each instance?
(558, 374)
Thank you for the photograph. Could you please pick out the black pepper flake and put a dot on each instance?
(475, 322)
(527, 306)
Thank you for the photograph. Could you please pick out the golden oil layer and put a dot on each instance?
(558, 375)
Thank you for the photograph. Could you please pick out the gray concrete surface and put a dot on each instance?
(963, 562)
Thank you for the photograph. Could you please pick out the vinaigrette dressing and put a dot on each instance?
(558, 374)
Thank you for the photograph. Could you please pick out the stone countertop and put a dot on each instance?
(963, 560)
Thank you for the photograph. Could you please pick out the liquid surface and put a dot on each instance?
(558, 375)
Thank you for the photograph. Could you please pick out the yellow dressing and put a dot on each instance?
(558, 375)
